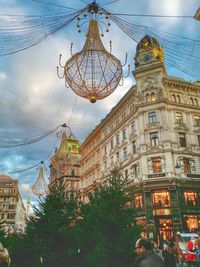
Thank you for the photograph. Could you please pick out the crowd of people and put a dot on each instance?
(149, 253)
(167, 254)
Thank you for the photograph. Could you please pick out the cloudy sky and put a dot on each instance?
(33, 100)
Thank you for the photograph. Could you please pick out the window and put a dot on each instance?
(179, 118)
(161, 199)
(117, 139)
(196, 101)
(111, 144)
(191, 198)
(133, 128)
(156, 165)
(178, 99)
(152, 117)
(135, 170)
(134, 147)
(148, 98)
(126, 174)
(124, 134)
(154, 139)
(196, 119)
(186, 166)
(73, 173)
(153, 97)
(191, 101)
(174, 97)
(191, 222)
(138, 203)
(198, 139)
(105, 150)
(125, 153)
(182, 140)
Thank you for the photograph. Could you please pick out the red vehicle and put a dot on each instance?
(182, 240)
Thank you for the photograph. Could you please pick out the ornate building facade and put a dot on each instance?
(153, 134)
(12, 210)
(65, 164)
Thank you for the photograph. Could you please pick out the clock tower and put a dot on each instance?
(149, 67)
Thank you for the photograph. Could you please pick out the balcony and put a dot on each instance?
(156, 175)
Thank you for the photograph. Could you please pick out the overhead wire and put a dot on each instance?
(51, 4)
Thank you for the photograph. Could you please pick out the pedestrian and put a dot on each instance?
(4, 256)
(146, 256)
(192, 248)
(170, 256)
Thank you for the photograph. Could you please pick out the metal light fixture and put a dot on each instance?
(40, 188)
(93, 73)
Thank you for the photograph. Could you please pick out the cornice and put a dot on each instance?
(181, 84)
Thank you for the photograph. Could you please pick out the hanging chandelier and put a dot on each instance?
(40, 188)
(93, 73)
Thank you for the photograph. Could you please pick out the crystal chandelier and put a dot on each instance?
(93, 73)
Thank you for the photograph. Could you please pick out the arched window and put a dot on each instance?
(178, 99)
(174, 97)
(153, 97)
(148, 98)
(191, 100)
(196, 102)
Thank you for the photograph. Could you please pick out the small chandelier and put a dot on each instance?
(40, 188)
(92, 73)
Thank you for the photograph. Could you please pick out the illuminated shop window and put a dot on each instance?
(191, 198)
(138, 201)
(161, 199)
(192, 222)
(156, 165)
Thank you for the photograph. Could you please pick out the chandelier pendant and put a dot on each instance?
(93, 73)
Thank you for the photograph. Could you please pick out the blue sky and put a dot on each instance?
(34, 100)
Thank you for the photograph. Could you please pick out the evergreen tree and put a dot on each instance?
(50, 237)
(106, 230)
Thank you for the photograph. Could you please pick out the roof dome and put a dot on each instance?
(147, 42)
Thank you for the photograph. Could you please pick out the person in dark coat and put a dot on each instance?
(170, 256)
(146, 257)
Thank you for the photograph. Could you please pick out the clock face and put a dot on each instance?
(147, 58)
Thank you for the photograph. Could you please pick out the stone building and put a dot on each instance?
(12, 210)
(65, 164)
(153, 134)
